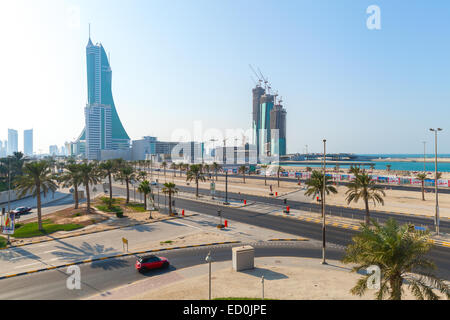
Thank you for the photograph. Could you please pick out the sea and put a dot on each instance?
(400, 166)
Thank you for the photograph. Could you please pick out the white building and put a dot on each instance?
(98, 130)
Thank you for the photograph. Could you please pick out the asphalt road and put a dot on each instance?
(334, 235)
(343, 183)
(335, 210)
(105, 275)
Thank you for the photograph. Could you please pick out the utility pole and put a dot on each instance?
(323, 201)
(226, 188)
(424, 157)
(436, 220)
(208, 259)
(8, 242)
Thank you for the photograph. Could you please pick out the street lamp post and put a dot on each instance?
(226, 188)
(424, 157)
(323, 201)
(8, 242)
(436, 219)
(208, 259)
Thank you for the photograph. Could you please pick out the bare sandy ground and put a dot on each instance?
(398, 201)
(285, 278)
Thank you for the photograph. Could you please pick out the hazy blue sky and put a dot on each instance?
(175, 62)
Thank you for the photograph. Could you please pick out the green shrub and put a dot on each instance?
(2, 242)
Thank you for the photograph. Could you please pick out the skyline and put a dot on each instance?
(319, 48)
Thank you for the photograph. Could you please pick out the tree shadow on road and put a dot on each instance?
(71, 253)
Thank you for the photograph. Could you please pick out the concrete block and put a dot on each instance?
(243, 258)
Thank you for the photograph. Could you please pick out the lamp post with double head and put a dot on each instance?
(323, 201)
(436, 218)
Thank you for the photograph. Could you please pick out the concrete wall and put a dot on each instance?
(4, 196)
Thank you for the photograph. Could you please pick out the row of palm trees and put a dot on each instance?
(361, 188)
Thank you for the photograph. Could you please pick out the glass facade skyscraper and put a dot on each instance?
(28, 142)
(104, 130)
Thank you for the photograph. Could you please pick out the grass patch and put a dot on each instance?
(166, 242)
(137, 207)
(79, 214)
(113, 209)
(2, 243)
(244, 298)
(31, 229)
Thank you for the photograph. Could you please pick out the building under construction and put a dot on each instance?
(269, 120)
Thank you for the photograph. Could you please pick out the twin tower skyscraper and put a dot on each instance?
(103, 129)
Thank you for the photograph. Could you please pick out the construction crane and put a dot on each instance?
(260, 81)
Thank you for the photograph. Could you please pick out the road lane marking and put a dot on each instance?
(27, 265)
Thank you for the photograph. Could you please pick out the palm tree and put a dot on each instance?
(141, 175)
(72, 178)
(279, 170)
(422, 177)
(170, 189)
(181, 166)
(108, 168)
(363, 187)
(400, 253)
(264, 166)
(315, 185)
(164, 166)
(90, 175)
(372, 166)
(127, 174)
(173, 166)
(388, 167)
(145, 188)
(37, 178)
(216, 167)
(195, 173)
(354, 170)
(242, 169)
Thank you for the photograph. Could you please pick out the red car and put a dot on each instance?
(151, 262)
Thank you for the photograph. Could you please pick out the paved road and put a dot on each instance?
(105, 275)
(343, 183)
(335, 235)
(335, 210)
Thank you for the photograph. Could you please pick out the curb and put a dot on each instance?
(356, 228)
(299, 239)
(440, 243)
(319, 221)
(93, 232)
(116, 256)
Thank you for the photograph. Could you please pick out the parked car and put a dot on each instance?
(145, 263)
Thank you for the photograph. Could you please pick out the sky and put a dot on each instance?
(177, 62)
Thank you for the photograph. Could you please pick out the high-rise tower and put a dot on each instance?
(267, 103)
(258, 92)
(28, 142)
(104, 130)
(278, 130)
(13, 141)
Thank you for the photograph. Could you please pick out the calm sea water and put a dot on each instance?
(403, 166)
